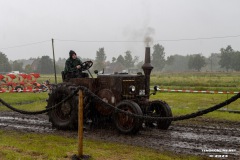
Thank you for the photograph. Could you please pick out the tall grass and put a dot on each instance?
(198, 81)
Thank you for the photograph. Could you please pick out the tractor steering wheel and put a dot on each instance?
(86, 65)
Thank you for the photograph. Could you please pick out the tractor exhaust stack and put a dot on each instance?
(147, 68)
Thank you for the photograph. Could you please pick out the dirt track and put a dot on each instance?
(197, 137)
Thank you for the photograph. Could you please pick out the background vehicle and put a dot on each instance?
(128, 92)
(41, 87)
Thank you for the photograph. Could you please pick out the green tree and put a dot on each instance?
(45, 65)
(139, 65)
(121, 60)
(170, 60)
(100, 59)
(4, 63)
(179, 63)
(213, 62)
(226, 57)
(235, 61)
(17, 66)
(128, 59)
(28, 68)
(196, 62)
(113, 59)
(158, 57)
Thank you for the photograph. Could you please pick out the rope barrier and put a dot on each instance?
(87, 92)
(38, 112)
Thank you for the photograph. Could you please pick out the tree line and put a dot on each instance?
(41, 65)
(228, 59)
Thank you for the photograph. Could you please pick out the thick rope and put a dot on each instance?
(86, 91)
(38, 112)
(177, 118)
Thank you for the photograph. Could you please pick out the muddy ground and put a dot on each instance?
(197, 136)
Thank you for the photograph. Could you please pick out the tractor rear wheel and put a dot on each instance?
(125, 123)
(159, 109)
(64, 117)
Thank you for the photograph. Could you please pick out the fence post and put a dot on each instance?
(80, 123)
(80, 129)
(54, 64)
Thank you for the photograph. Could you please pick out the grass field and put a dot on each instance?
(25, 101)
(199, 81)
(185, 103)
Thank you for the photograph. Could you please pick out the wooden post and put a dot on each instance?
(54, 64)
(80, 129)
(80, 124)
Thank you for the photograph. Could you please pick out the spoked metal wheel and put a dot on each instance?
(125, 123)
(159, 109)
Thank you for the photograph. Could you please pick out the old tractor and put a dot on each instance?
(128, 92)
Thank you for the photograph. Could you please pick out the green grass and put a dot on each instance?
(44, 77)
(23, 97)
(185, 103)
(24, 101)
(199, 81)
(27, 146)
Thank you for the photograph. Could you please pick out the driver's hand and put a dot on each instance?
(78, 66)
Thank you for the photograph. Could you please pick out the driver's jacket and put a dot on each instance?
(70, 65)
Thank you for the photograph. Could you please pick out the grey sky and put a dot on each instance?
(28, 21)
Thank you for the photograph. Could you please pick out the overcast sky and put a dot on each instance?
(84, 25)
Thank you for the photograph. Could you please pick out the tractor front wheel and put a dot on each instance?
(159, 109)
(127, 124)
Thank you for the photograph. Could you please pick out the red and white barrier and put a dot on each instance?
(193, 91)
(18, 91)
(161, 90)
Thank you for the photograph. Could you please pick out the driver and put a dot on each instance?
(73, 66)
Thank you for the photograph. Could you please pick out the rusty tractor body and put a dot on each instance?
(127, 92)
